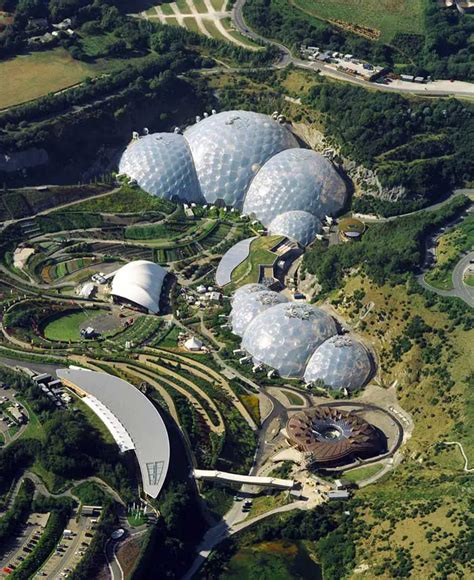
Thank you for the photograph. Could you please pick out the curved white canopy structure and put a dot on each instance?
(140, 282)
(131, 415)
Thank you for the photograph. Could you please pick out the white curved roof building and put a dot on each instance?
(229, 148)
(301, 226)
(132, 419)
(286, 335)
(295, 179)
(140, 283)
(341, 362)
(162, 165)
(250, 305)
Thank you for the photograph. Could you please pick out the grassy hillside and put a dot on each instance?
(372, 18)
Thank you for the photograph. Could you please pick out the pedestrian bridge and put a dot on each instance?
(225, 477)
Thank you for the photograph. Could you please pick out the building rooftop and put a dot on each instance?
(132, 413)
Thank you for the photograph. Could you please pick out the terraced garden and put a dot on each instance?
(208, 17)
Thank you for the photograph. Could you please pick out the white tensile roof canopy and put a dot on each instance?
(140, 282)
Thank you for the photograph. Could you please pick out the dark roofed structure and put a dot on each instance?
(333, 437)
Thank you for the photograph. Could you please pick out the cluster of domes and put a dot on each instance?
(250, 161)
(297, 339)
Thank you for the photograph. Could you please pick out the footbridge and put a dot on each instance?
(223, 476)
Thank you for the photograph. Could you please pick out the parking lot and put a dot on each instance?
(70, 549)
(10, 427)
(21, 546)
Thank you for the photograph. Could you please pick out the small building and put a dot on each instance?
(338, 494)
(193, 344)
(17, 414)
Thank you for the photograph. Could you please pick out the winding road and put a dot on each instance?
(460, 288)
(433, 89)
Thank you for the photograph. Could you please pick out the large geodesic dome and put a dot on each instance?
(229, 148)
(242, 292)
(286, 335)
(295, 179)
(250, 305)
(162, 165)
(340, 362)
(301, 226)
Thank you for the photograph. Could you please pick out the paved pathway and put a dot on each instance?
(436, 88)
(466, 461)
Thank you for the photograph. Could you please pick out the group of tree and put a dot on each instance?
(169, 548)
(388, 252)
(427, 147)
(70, 448)
(444, 50)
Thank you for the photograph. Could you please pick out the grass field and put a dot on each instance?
(293, 398)
(37, 74)
(67, 327)
(361, 473)
(378, 18)
(191, 24)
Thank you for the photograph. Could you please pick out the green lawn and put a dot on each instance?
(167, 9)
(213, 31)
(89, 493)
(382, 18)
(136, 519)
(183, 7)
(219, 5)
(34, 75)
(67, 327)
(191, 24)
(200, 6)
(469, 279)
(293, 397)
(248, 271)
(361, 473)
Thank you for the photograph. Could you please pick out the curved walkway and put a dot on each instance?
(466, 461)
(460, 288)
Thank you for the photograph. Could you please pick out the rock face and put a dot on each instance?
(33, 157)
(365, 180)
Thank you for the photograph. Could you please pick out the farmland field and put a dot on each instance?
(384, 17)
(38, 74)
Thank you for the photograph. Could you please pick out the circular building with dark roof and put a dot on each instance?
(333, 437)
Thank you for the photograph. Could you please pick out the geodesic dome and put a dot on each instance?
(230, 147)
(250, 305)
(242, 292)
(341, 362)
(286, 335)
(297, 225)
(162, 165)
(295, 179)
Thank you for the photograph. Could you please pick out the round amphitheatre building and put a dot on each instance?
(332, 437)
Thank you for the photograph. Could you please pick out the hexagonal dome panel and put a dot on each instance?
(286, 335)
(295, 179)
(341, 362)
(162, 165)
(230, 147)
(250, 305)
(242, 292)
(297, 225)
